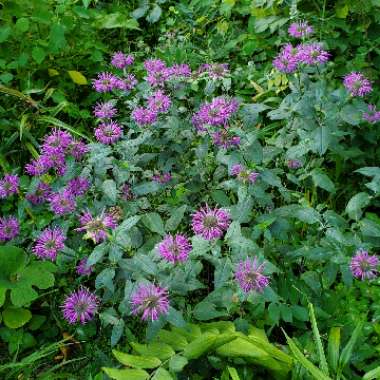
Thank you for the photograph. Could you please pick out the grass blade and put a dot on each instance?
(333, 348)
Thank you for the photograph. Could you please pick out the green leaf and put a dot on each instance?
(154, 14)
(373, 374)
(333, 347)
(318, 341)
(38, 54)
(341, 10)
(22, 25)
(97, 254)
(321, 180)
(356, 204)
(137, 361)
(5, 32)
(223, 270)
(22, 296)
(177, 363)
(349, 347)
(15, 317)
(175, 317)
(12, 259)
(308, 365)
(162, 374)
(57, 39)
(177, 341)
(154, 223)
(175, 218)
(117, 20)
(199, 346)
(146, 188)
(3, 292)
(127, 224)
(77, 77)
(205, 311)
(109, 189)
(126, 374)
(158, 349)
(233, 373)
(242, 348)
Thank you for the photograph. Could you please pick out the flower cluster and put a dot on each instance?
(175, 249)
(372, 115)
(249, 275)
(40, 194)
(364, 266)
(300, 29)
(214, 70)
(9, 228)
(120, 60)
(357, 84)
(56, 147)
(97, 227)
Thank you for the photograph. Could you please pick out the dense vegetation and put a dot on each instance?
(189, 190)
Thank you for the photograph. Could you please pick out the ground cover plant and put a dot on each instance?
(192, 228)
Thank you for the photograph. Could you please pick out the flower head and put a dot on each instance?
(78, 186)
(243, 174)
(364, 266)
(214, 70)
(128, 83)
(312, 54)
(300, 29)
(162, 178)
(126, 192)
(77, 149)
(357, 84)
(83, 269)
(105, 110)
(157, 72)
(223, 140)
(80, 306)
(62, 203)
(217, 112)
(150, 301)
(56, 141)
(97, 227)
(37, 167)
(108, 133)
(40, 194)
(179, 71)
(174, 249)
(372, 115)
(105, 82)
(294, 164)
(210, 223)
(9, 228)
(144, 116)
(49, 243)
(249, 275)
(9, 185)
(159, 102)
(120, 60)
(287, 60)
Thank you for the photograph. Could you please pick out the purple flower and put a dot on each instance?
(162, 178)
(78, 186)
(159, 102)
(77, 149)
(105, 82)
(108, 133)
(157, 72)
(175, 249)
(179, 71)
(249, 275)
(294, 164)
(57, 141)
(218, 112)
(210, 223)
(126, 192)
(222, 139)
(53, 158)
(96, 227)
(120, 60)
(215, 70)
(144, 116)
(312, 54)
(300, 29)
(243, 174)
(151, 301)
(357, 84)
(363, 265)
(372, 116)
(49, 243)
(83, 269)
(9, 228)
(80, 306)
(40, 195)
(9, 185)
(128, 83)
(37, 167)
(287, 60)
(154, 65)
(105, 110)
(62, 203)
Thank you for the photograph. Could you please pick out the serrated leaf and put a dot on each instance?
(175, 218)
(135, 361)
(154, 223)
(356, 204)
(322, 180)
(77, 77)
(97, 254)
